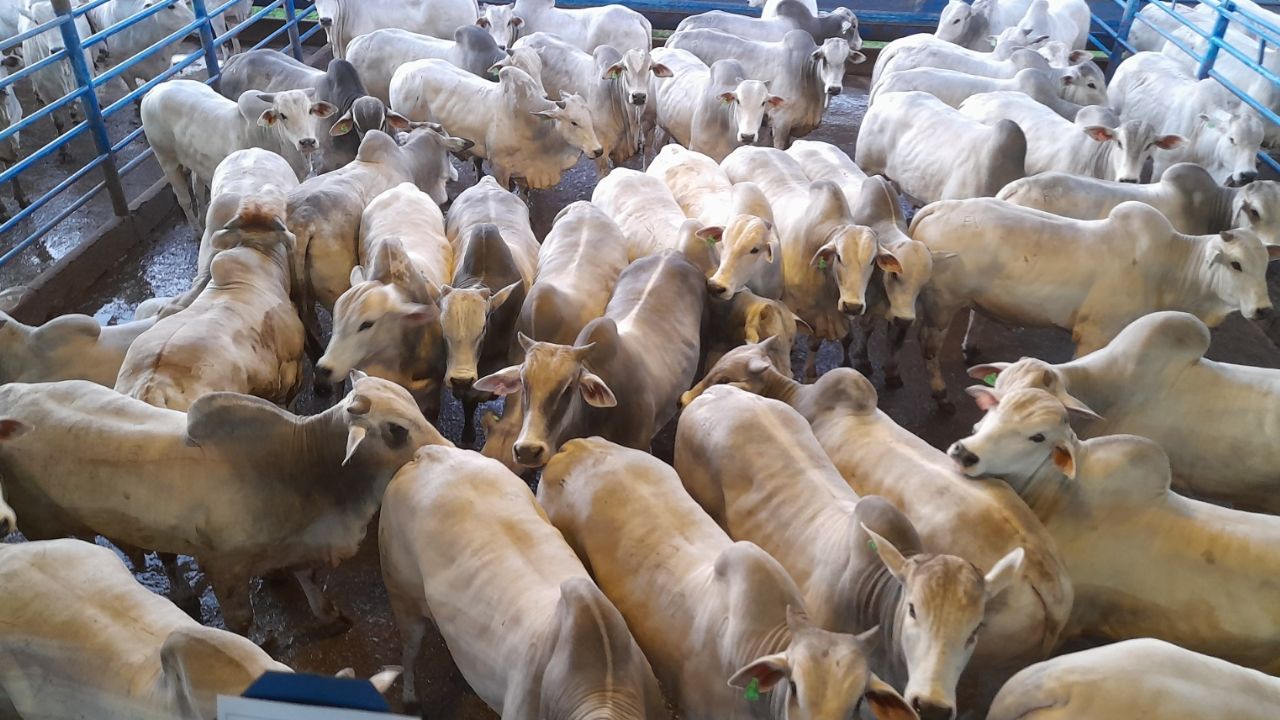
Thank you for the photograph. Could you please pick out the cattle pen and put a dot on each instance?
(100, 231)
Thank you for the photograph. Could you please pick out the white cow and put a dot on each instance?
(68, 347)
(242, 175)
(526, 137)
(272, 490)
(1065, 90)
(709, 109)
(129, 43)
(501, 23)
(923, 50)
(754, 465)
(1145, 561)
(345, 20)
(387, 323)
(526, 626)
(980, 518)
(1055, 143)
(587, 28)
(1063, 21)
(54, 81)
(642, 206)
(614, 85)
(379, 54)
(1186, 194)
(899, 138)
(241, 333)
(713, 616)
(10, 114)
(189, 152)
(1155, 371)
(1222, 134)
(788, 15)
(796, 68)
(1138, 678)
(1091, 277)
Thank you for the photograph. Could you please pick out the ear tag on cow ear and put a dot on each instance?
(990, 379)
(753, 690)
(615, 74)
(712, 240)
(872, 544)
(822, 263)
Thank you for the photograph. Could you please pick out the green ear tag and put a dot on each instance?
(822, 263)
(753, 690)
(872, 544)
(990, 379)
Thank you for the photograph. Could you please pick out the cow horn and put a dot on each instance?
(582, 352)
(525, 341)
(355, 436)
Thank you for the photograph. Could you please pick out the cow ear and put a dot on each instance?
(11, 428)
(1064, 456)
(595, 391)
(482, 22)
(888, 262)
(1079, 57)
(548, 114)
(943, 256)
(11, 61)
(502, 383)
(323, 109)
(889, 555)
(191, 653)
(344, 125)
(1004, 572)
(824, 258)
(516, 21)
(613, 72)
(1169, 142)
(774, 101)
(415, 314)
(982, 372)
(885, 702)
(357, 275)
(396, 121)
(984, 397)
(457, 144)
(711, 234)
(268, 118)
(660, 70)
(759, 365)
(801, 325)
(855, 58)
(503, 295)
(385, 678)
(767, 671)
(728, 97)
(355, 435)
(1273, 252)
(1100, 133)
(1074, 405)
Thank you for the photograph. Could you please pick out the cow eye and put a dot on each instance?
(1093, 86)
(1037, 438)
(755, 251)
(1252, 213)
(283, 116)
(365, 325)
(795, 692)
(1235, 265)
(573, 123)
(1233, 140)
(398, 434)
(911, 610)
(973, 638)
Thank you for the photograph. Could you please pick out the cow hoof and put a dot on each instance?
(893, 381)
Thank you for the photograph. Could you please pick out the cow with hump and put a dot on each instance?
(623, 376)
(714, 616)
(1145, 561)
(982, 519)
(272, 490)
(529, 630)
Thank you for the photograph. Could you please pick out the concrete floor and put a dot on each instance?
(165, 264)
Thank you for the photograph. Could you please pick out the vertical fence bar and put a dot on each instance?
(92, 110)
(291, 21)
(1219, 32)
(206, 40)
(1131, 8)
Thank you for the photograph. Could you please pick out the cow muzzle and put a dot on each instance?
(7, 525)
(1130, 180)
(1261, 313)
(834, 90)
(718, 289)
(1241, 179)
(747, 137)
(595, 153)
(308, 145)
(460, 384)
(929, 710)
(903, 323)
(530, 455)
(852, 308)
(639, 98)
(961, 456)
(324, 375)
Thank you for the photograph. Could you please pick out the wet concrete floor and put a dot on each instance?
(164, 265)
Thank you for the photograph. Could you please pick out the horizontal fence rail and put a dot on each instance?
(76, 48)
(1238, 31)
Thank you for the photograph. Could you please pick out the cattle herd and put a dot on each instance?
(803, 556)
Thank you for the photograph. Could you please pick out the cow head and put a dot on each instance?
(960, 23)
(554, 384)
(1031, 373)
(747, 245)
(1021, 431)
(502, 24)
(939, 617)
(747, 367)
(1238, 270)
(384, 425)
(524, 58)
(1082, 84)
(1257, 207)
(822, 675)
(292, 115)
(1130, 146)
(751, 101)
(465, 314)
(848, 26)
(1231, 139)
(572, 119)
(632, 71)
(829, 62)
(200, 663)
(9, 64)
(429, 146)
(368, 113)
(850, 253)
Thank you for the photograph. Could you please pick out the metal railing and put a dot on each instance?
(86, 94)
(1227, 13)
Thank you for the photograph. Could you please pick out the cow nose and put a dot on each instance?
(597, 153)
(834, 89)
(460, 383)
(503, 48)
(961, 455)
(1263, 313)
(638, 98)
(717, 288)
(7, 525)
(307, 144)
(531, 454)
(323, 374)
(851, 308)
(929, 710)
(746, 137)
(1243, 178)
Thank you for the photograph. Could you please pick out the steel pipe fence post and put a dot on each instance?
(291, 21)
(206, 41)
(1219, 32)
(1131, 8)
(92, 110)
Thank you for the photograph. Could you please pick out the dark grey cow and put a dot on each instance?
(622, 379)
(379, 54)
(272, 71)
(792, 15)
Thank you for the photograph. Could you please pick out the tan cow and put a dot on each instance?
(68, 347)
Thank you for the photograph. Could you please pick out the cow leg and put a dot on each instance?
(478, 163)
(181, 185)
(320, 605)
(60, 124)
(180, 591)
(602, 166)
(969, 346)
(895, 337)
(858, 347)
(231, 587)
(469, 406)
(781, 136)
(811, 362)
(19, 194)
(413, 627)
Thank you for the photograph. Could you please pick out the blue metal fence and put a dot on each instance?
(96, 115)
